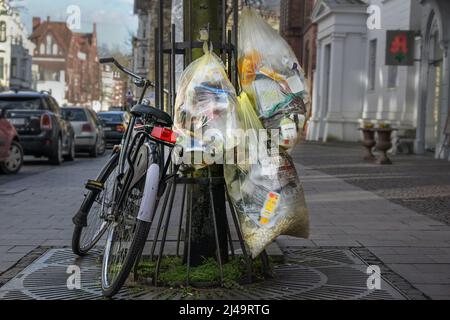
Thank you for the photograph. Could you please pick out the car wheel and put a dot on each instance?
(102, 147)
(94, 151)
(71, 155)
(14, 162)
(56, 157)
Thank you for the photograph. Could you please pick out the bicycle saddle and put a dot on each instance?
(160, 116)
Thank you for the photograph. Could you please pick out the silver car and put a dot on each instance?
(89, 133)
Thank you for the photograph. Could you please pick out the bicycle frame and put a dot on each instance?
(154, 182)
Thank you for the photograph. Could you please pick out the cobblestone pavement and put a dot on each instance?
(420, 183)
(350, 206)
(36, 210)
(36, 207)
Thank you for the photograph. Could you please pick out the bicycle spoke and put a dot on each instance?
(120, 237)
(97, 224)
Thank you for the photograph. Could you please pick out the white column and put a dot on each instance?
(419, 143)
(313, 130)
(334, 126)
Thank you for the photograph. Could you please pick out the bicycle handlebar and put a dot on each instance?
(139, 81)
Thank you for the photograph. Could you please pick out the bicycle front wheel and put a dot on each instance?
(96, 207)
(124, 243)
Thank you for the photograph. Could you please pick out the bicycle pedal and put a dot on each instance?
(94, 185)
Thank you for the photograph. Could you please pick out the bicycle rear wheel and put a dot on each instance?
(96, 206)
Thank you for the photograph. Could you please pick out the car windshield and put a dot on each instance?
(75, 115)
(111, 117)
(21, 103)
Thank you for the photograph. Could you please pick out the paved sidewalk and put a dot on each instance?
(36, 210)
(411, 244)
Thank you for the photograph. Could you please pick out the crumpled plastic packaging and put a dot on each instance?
(267, 195)
(271, 75)
(205, 109)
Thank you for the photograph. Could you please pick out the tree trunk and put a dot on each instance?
(203, 242)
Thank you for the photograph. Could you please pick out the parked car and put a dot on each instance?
(11, 152)
(115, 125)
(88, 128)
(42, 129)
(116, 108)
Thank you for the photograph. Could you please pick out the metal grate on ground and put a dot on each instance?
(308, 274)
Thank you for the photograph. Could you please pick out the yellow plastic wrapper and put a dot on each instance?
(268, 199)
(272, 77)
(205, 110)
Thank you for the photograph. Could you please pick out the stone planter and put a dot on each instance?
(384, 144)
(368, 142)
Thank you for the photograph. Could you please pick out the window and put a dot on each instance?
(55, 49)
(23, 69)
(392, 77)
(20, 103)
(2, 67)
(77, 115)
(2, 31)
(13, 67)
(42, 49)
(372, 73)
(49, 44)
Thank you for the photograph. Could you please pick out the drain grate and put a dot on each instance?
(310, 273)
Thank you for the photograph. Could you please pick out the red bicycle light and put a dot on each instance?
(164, 134)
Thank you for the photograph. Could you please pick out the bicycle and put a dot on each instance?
(127, 191)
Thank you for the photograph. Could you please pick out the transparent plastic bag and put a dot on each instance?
(267, 196)
(205, 109)
(271, 75)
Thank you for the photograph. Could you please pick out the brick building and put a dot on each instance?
(66, 62)
(297, 28)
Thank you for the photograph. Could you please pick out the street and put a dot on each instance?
(37, 207)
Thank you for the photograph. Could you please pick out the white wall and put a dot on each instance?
(57, 88)
(397, 105)
(337, 108)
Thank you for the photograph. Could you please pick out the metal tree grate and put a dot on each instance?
(319, 273)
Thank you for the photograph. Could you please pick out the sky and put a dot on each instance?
(115, 20)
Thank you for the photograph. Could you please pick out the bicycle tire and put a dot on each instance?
(80, 247)
(143, 229)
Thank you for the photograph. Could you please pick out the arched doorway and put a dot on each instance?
(434, 82)
(434, 112)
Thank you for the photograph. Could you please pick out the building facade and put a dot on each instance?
(114, 89)
(433, 112)
(355, 86)
(66, 63)
(15, 51)
(338, 85)
(300, 32)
